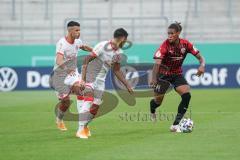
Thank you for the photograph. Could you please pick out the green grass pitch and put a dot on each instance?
(28, 131)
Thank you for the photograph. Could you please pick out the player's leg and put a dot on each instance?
(88, 111)
(63, 106)
(183, 89)
(84, 113)
(162, 87)
(155, 103)
(73, 81)
(184, 92)
(80, 100)
(92, 108)
(77, 90)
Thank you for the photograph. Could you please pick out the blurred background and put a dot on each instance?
(29, 30)
(43, 21)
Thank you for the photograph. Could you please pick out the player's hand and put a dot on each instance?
(82, 85)
(200, 71)
(153, 84)
(130, 90)
(71, 72)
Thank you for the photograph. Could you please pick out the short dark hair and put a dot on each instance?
(120, 32)
(73, 23)
(177, 26)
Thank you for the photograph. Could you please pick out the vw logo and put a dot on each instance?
(8, 79)
(238, 76)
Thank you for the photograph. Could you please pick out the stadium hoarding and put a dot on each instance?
(37, 78)
(44, 55)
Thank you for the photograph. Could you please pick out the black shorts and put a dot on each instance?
(174, 80)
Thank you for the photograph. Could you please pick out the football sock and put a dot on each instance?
(80, 100)
(80, 128)
(182, 108)
(62, 108)
(153, 106)
(84, 115)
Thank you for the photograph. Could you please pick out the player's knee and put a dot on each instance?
(88, 92)
(94, 108)
(76, 90)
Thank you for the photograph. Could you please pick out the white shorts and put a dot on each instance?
(72, 78)
(65, 90)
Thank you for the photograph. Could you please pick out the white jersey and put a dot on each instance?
(69, 51)
(60, 79)
(106, 56)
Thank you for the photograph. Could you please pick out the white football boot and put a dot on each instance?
(175, 128)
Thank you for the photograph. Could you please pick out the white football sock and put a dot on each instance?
(80, 100)
(84, 115)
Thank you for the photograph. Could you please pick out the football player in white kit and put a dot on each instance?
(106, 55)
(66, 78)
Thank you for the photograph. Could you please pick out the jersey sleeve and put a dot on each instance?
(192, 49)
(97, 50)
(60, 48)
(161, 52)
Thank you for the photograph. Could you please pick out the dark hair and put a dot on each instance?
(177, 26)
(73, 23)
(120, 32)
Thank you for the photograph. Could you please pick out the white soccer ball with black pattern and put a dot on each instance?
(186, 125)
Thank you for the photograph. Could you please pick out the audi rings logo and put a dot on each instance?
(238, 76)
(8, 79)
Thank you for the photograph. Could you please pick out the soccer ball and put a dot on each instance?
(186, 125)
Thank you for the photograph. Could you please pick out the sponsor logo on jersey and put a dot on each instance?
(183, 50)
(158, 54)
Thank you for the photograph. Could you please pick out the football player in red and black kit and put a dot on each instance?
(171, 54)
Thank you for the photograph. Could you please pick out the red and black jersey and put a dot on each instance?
(172, 56)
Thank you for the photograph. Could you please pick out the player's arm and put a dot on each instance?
(60, 58)
(155, 72)
(60, 62)
(86, 48)
(83, 46)
(118, 73)
(96, 51)
(86, 61)
(201, 68)
(60, 55)
(194, 51)
(158, 56)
